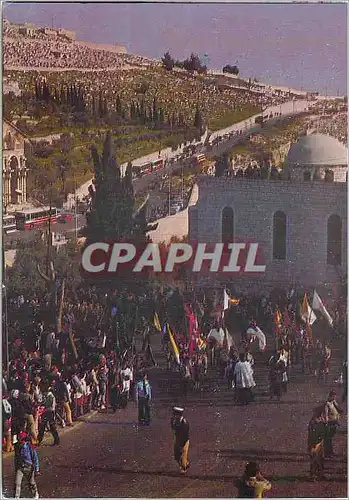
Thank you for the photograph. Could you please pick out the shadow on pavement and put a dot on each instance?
(205, 477)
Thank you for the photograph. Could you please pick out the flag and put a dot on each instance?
(277, 321)
(173, 345)
(227, 342)
(319, 306)
(191, 318)
(226, 301)
(277, 318)
(192, 345)
(308, 331)
(307, 314)
(286, 319)
(234, 301)
(229, 301)
(201, 343)
(156, 322)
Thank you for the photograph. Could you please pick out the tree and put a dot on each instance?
(168, 62)
(198, 121)
(118, 105)
(193, 63)
(112, 209)
(233, 70)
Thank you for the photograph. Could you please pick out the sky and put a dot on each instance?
(297, 45)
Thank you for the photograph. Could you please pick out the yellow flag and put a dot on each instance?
(202, 343)
(173, 344)
(157, 322)
(234, 301)
(277, 318)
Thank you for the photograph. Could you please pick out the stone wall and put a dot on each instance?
(307, 206)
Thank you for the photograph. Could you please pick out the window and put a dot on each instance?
(334, 240)
(279, 236)
(329, 176)
(227, 225)
(317, 176)
(307, 176)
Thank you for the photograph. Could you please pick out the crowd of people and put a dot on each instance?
(54, 378)
(47, 51)
(132, 77)
(335, 125)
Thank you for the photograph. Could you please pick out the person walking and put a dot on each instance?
(332, 414)
(26, 465)
(6, 423)
(276, 370)
(180, 427)
(48, 417)
(324, 364)
(63, 399)
(243, 376)
(143, 397)
(252, 484)
(316, 437)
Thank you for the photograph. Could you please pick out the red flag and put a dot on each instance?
(287, 320)
(191, 319)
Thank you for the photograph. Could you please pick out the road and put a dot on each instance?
(290, 108)
(57, 227)
(144, 184)
(109, 456)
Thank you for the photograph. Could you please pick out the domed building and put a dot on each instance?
(317, 157)
(300, 221)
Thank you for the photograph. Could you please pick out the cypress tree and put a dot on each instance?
(118, 105)
(198, 121)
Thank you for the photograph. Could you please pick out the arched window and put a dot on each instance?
(334, 240)
(279, 236)
(317, 176)
(329, 176)
(307, 176)
(227, 225)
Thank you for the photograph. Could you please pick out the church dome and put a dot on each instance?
(317, 150)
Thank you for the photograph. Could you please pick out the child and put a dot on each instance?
(252, 483)
(26, 465)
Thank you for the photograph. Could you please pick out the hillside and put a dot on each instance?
(69, 93)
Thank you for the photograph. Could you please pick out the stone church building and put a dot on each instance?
(14, 171)
(299, 221)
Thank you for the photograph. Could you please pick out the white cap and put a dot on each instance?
(178, 410)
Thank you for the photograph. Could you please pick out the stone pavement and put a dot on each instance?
(110, 456)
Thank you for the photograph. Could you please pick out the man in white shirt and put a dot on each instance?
(127, 378)
(332, 414)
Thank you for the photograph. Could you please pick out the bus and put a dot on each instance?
(157, 165)
(145, 169)
(9, 224)
(29, 219)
